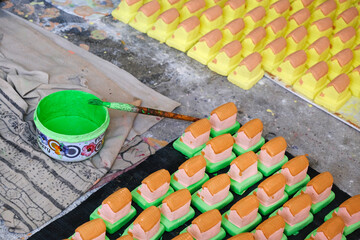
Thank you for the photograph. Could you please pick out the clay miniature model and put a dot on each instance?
(211, 19)
(272, 156)
(248, 137)
(294, 172)
(115, 210)
(254, 41)
(194, 138)
(192, 8)
(168, 4)
(214, 194)
(292, 67)
(335, 94)
(345, 38)
(278, 9)
(332, 229)
(275, 29)
(147, 225)
(233, 9)
(191, 174)
(183, 236)
(254, 18)
(355, 81)
(126, 237)
(176, 210)
(318, 51)
(243, 216)
(320, 28)
(218, 152)
(251, 4)
(165, 25)
(248, 72)
(223, 119)
(296, 39)
(271, 193)
(356, 52)
(243, 236)
(233, 30)
(153, 189)
(340, 63)
(296, 213)
(207, 226)
(347, 18)
(243, 172)
(207, 47)
(272, 228)
(314, 79)
(319, 189)
(326, 9)
(273, 54)
(92, 230)
(349, 211)
(126, 10)
(146, 16)
(298, 5)
(299, 18)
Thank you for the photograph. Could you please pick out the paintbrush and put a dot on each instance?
(126, 107)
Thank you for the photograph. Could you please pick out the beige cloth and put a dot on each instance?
(33, 64)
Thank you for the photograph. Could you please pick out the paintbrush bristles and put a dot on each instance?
(95, 102)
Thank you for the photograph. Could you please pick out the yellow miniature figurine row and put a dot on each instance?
(308, 44)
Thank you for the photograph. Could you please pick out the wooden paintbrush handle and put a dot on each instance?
(154, 112)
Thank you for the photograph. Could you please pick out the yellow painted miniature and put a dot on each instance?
(210, 19)
(345, 38)
(273, 54)
(355, 81)
(233, 9)
(320, 28)
(165, 25)
(192, 8)
(292, 67)
(340, 63)
(146, 16)
(318, 51)
(233, 31)
(254, 41)
(126, 10)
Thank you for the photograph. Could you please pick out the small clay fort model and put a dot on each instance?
(183, 236)
(146, 16)
(147, 225)
(214, 194)
(332, 229)
(349, 211)
(176, 210)
(92, 230)
(218, 152)
(243, 236)
(165, 25)
(243, 216)
(207, 226)
(319, 189)
(272, 228)
(296, 213)
(271, 193)
(223, 119)
(295, 173)
(318, 51)
(153, 189)
(248, 137)
(115, 210)
(194, 138)
(190, 174)
(244, 172)
(272, 156)
(292, 68)
(273, 53)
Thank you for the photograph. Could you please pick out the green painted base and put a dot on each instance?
(221, 235)
(234, 230)
(203, 207)
(143, 203)
(348, 229)
(192, 188)
(171, 225)
(315, 208)
(106, 238)
(267, 171)
(294, 230)
(155, 237)
(214, 167)
(184, 149)
(269, 209)
(240, 188)
(114, 227)
(233, 129)
(239, 150)
(312, 234)
(292, 189)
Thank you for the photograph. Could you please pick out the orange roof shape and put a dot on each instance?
(221, 143)
(321, 182)
(235, 26)
(332, 227)
(278, 24)
(169, 15)
(118, 200)
(275, 146)
(296, 165)
(232, 48)
(190, 23)
(297, 58)
(327, 7)
(225, 111)
(246, 205)
(252, 128)
(251, 61)
(271, 225)
(245, 160)
(323, 24)
(217, 183)
(257, 13)
(194, 5)
(177, 199)
(212, 37)
(235, 4)
(281, 6)
(91, 229)
(193, 165)
(183, 236)
(150, 8)
(301, 16)
(213, 13)
(148, 218)
(298, 203)
(199, 127)
(298, 34)
(320, 45)
(340, 83)
(207, 220)
(257, 35)
(277, 45)
(319, 70)
(352, 205)
(346, 34)
(157, 179)
(273, 184)
(349, 14)
(243, 236)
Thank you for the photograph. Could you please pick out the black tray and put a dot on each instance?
(167, 158)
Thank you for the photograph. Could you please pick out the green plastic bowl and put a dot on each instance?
(68, 128)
